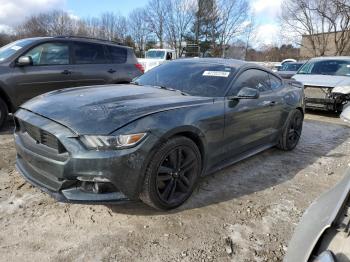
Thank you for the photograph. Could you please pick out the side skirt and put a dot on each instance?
(240, 157)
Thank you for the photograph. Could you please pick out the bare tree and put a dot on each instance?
(179, 19)
(138, 28)
(92, 26)
(233, 14)
(155, 19)
(113, 26)
(337, 15)
(249, 34)
(49, 24)
(321, 22)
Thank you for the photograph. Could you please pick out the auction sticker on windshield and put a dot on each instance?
(16, 47)
(216, 73)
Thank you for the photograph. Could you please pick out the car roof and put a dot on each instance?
(161, 49)
(80, 39)
(295, 63)
(218, 61)
(332, 58)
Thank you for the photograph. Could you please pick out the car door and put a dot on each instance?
(279, 95)
(91, 64)
(49, 71)
(250, 123)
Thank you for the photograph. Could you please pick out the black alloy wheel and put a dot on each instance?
(295, 129)
(172, 174)
(292, 131)
(176, 175)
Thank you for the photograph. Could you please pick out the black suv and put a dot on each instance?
(33, 66)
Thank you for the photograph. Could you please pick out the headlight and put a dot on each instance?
(112, 142)
(341, 90)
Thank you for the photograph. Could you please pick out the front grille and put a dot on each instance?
(42, 136)
(317, 92)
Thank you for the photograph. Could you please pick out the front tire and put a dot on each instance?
(172, 174)
(292, 131)
(3, 113)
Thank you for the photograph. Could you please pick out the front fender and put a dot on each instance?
(205, 122)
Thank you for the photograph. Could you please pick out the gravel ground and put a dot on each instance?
(246, 212)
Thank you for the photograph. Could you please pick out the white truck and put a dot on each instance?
(155, 57)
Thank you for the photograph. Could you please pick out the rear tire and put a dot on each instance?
(292, 131)
(172, 174)
(3, 113)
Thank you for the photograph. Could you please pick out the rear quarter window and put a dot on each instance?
(118, 55)
(89, 53)
(276, 83)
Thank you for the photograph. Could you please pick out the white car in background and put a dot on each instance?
(327, 82)
(156, 57)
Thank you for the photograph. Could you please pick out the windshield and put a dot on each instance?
(155, 54)
(8, 50)
(291, 67)
(197, 79)
(326, 67)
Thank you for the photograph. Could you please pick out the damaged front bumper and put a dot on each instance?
(324, 98)
(51, 157)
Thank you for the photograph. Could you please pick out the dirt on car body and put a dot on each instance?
(246, 212)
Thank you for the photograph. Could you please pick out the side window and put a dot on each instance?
(117, 54)
(169, 56)
(276, 83)
(252, 78)
(86, 53)
(50, 54)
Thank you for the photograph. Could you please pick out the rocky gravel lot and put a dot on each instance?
(246, 212)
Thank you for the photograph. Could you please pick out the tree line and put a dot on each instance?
(219, 28)
(211, 24)
(325, 25)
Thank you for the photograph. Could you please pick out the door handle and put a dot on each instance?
(111, 71)
(272, 103)
(66, 72)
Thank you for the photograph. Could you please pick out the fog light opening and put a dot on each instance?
(98, 187)
(93, 179)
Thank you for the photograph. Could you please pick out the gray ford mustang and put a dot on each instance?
(153, 139)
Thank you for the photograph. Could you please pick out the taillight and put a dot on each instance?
(140, 67)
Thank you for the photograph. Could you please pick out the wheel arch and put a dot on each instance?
(193, 133)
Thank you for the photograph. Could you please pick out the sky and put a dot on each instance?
(13, 12)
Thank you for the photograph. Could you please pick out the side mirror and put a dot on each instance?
(25, 61)
(247, 93)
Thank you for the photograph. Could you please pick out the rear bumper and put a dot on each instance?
(57, 173)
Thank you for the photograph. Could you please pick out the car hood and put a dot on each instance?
(322, 80)
(104, 109)
(317, 218)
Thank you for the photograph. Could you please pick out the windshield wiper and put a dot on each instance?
(172, 89)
